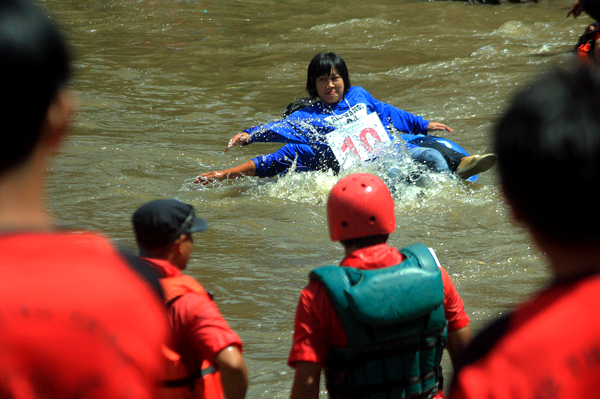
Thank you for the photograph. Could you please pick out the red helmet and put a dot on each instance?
(360, 205)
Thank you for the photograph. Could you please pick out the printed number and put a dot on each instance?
(349, 146)
(365, 141)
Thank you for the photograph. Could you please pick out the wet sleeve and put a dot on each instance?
(454, 308)
(302, 157)
(207, 330)
(283, 131)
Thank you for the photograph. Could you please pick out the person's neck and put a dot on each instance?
(349, 249)
(165, 254)
(332, 105)
(572, 261)
(570, 266)
(22, 200)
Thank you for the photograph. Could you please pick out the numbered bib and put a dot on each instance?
(356, 135)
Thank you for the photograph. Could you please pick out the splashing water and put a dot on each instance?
(413, 185)
(304, 187)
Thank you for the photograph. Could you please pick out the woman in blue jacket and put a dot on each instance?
(346, 125)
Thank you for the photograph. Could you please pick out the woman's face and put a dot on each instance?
(330, 88)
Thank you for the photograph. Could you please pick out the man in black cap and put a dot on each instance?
(208, 354)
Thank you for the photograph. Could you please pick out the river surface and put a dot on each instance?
(164, 84)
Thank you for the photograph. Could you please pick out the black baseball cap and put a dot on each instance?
(160, 222)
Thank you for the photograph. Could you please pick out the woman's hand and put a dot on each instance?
(439, 126)
(238, 139)
(248, 168)
(208, 177)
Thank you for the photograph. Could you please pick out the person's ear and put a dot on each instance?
(178, 243)
(58, 117)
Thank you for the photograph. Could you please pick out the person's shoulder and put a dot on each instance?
(146, 272)
(193, 309)
(358, 90)
(194, 302)
(358, 93)
(64, 237)
(64, 247)
(314, 292)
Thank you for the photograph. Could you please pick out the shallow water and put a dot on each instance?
(164, 84)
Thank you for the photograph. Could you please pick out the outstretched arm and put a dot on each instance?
(248, 168)
(439, 126)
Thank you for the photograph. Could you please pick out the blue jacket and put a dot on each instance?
(304, 133)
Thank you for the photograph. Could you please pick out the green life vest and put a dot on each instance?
(396, 328)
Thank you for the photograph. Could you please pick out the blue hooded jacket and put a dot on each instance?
(304, 133)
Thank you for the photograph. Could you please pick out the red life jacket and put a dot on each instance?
(547, 348)
(179, 382)
(76, 320)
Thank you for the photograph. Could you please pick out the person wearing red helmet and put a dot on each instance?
(378, 323)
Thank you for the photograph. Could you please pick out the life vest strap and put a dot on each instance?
(390, 386)
(353, 356)
(190, 380)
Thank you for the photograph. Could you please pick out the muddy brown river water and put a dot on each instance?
(165, 83)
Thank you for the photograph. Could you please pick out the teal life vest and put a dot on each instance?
(396, 328)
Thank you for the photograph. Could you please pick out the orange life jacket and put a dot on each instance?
(82, 324)
(178, 382)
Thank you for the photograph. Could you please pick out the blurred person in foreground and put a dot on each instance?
(590, 7)
(76, 319)
(587, 42)
(206, 358)
(378, 323)
(549, 346)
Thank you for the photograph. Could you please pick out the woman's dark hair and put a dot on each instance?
(34, 63)
(323, 64)
(297, 105)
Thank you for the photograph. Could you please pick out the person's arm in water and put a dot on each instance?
(306, 381)
(234, 375)
(239, 139)
(248, 168)
(436, 126)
